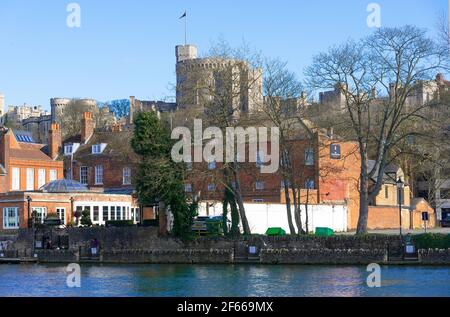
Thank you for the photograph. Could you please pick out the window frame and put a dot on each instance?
(125, 177)
(7, 218)
(99, 176)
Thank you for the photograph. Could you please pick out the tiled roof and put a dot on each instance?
(34, 152)
(118, 146)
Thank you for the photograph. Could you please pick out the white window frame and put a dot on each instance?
(30, 179)
(81, 175)
(42, 173)
(68, 149)
(6, 218)
(61, 213)
(97, 149)
(15, 181)
(126, 176)
(53, 175)
(43, 212)
(99, 175)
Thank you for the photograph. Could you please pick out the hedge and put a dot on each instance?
(119, 223)
(150, 223)
(432, 241)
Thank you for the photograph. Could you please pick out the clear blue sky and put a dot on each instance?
(127, 48)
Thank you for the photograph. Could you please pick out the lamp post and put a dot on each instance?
(30, 220)
(400, 186)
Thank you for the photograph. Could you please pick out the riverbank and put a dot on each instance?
(143, 246)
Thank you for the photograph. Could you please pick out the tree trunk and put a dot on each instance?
(162, 219)
(240, 203)
(288, 208)
(363, 203)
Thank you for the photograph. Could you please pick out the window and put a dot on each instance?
(96, 149)
(309, 157)
(310, 184)
(84, 175)
(53, 175)
(11, 218)
(99, 175)
(68, 148)
(188, 188)
(118, 213)
(96, 214)
(113, 213)
(61, 212)
(211, 187)
(30, 178)
(105, 213)
(137, 214)
(386, 192)
(259, 185)
(40, 214)
(15, 178)
(259, 158)
(126, 173)
(212, 165)
(41, 178)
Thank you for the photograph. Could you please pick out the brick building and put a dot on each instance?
(102, 160)
(26, 165)
(328, 169)
(61, 199)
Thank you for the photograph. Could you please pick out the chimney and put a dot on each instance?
(54, 141)
(373, 93)
(87, 126)
(440, 78)
(132, 107)
(330, 133)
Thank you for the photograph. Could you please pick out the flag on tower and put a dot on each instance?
(184, 15)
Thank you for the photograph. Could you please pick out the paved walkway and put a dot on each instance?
(396, 231)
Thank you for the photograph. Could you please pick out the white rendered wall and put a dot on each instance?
(263, 216)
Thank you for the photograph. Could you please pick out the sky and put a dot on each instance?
(126, 48)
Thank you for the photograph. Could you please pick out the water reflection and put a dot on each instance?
(222, 281)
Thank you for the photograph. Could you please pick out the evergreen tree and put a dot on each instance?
(159, 178)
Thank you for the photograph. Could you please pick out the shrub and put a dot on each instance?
(119, 223)
(150, 223)
(86, 219)
(432, 241)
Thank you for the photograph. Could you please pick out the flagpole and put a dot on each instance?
(185, 30)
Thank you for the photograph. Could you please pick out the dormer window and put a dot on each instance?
(98, 148)
(71, 148)
(68, 149)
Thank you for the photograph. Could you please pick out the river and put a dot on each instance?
(222, 281)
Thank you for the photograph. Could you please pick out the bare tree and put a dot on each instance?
(220, 89)
(390, 63)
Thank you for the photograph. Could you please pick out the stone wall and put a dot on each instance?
(323, 256)
(143, 245)
(435, 257)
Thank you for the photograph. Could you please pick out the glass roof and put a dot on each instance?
(64, 186)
